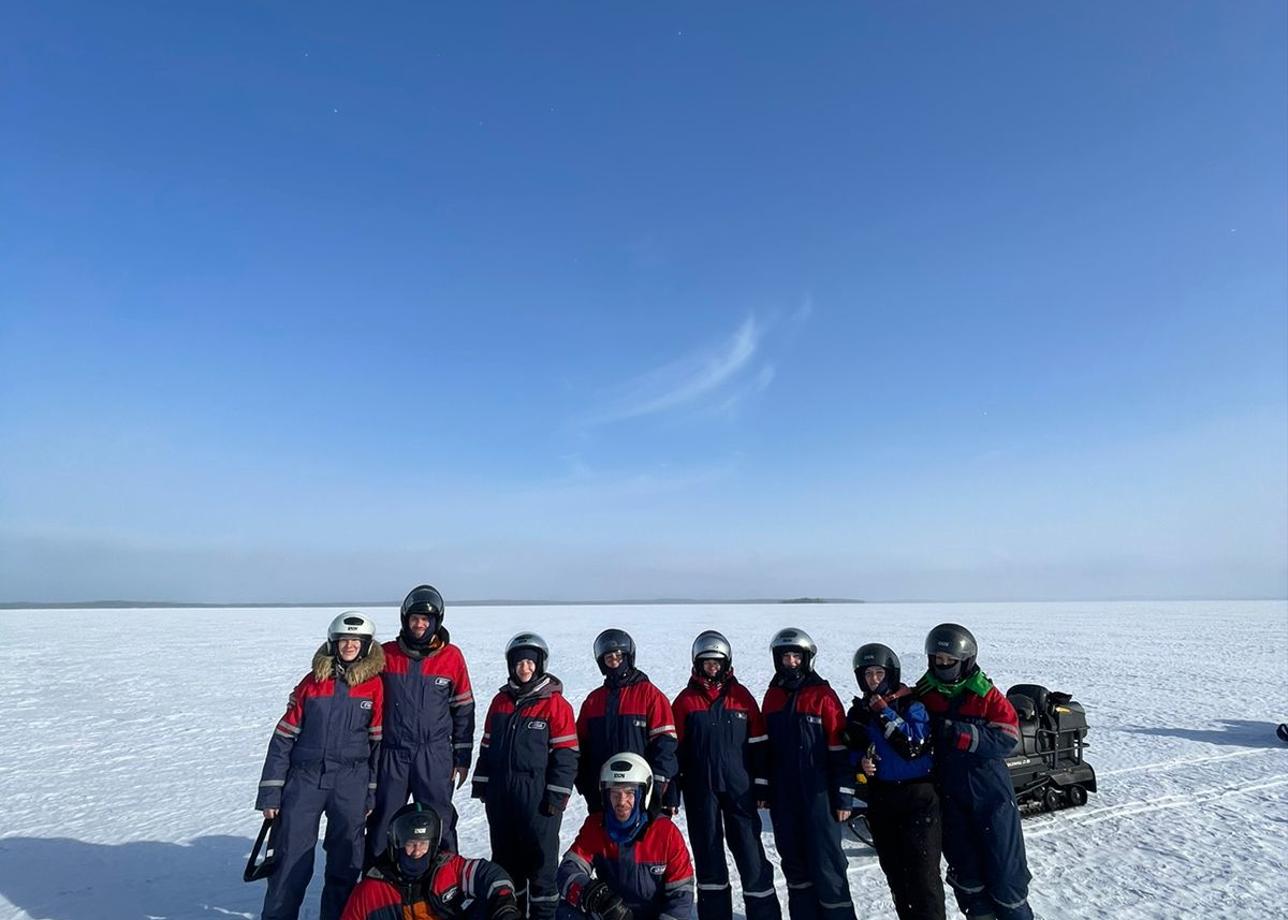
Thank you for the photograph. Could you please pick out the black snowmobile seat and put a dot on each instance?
(1038, 694)
(1025, 708)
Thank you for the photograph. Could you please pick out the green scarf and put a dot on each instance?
(978, 684)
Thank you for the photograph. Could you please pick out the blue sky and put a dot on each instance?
(316, 301)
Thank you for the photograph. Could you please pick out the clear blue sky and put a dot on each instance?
(307, 301)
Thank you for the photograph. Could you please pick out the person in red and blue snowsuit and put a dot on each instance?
(811, 784)
(321, 760)
(628, 713)
(526, 766)
(429, 719)
(975, 730)
(889, 733)
(416, 879)
(723, 759)
(625, 863)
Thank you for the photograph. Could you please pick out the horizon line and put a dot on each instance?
(613, 602)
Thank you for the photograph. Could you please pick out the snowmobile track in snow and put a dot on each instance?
(1183, 762)
(1086, 817)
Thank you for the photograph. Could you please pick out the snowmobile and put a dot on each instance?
(1048, 769)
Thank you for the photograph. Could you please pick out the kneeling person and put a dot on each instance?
(415, 879)
(625, 865)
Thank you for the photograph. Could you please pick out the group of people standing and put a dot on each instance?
(373, 726)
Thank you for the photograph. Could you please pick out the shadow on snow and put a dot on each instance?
(63, 879)
(1236, 733)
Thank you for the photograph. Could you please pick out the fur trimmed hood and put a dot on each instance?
(360, 671)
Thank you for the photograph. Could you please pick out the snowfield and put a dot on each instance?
(134, 741)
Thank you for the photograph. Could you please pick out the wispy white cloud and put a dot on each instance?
(690, 380)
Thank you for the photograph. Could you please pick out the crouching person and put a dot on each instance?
(624, 864)
(975, 729)
(890, 734)
(416, 879)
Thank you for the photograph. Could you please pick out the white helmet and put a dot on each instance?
(627, 770)
(351, 623)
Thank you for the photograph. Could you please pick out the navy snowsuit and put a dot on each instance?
(723, 760)
(809, 780)
(903, 808)
(321, 760)
(429, 729)
(526, 766)
(626, 715)
(975, 730)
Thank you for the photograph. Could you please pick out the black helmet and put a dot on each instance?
(414, 821)
(527, 645)
(876, 655)
(614, 640)
(956, 642)
(792, 639)
(425, 601)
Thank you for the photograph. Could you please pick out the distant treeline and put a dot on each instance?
(120, 605)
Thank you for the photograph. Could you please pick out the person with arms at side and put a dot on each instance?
(429, 730)
(811, 787)
(526, 765)
(889, 733)
(975, 729)
(628, 713)
(722, 756)
(415, 878)
(321, 760)
(626, 864)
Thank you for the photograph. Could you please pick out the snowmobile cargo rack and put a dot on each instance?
(1048, 769)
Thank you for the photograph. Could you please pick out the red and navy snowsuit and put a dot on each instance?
(321, 760)
(626, 715)
(975, 730)
(526, 766)
(651, 873)
(723, 760)
(809, 780)
(429, 729)
(440, 894)
(903, 807)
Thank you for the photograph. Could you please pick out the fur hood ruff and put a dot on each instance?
(359, 672)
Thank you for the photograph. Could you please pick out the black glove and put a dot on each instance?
(504, 908)
(549, 808)
(598, 899)
(478, 791)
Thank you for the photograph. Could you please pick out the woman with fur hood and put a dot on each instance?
(321, 760)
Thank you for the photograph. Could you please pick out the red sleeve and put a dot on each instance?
(999, 713)
(661, 720)
(461, 682)
(377, 729)
(678, 866)
(367, 898)
(833, 719)
(680, 710)
(755, 719)
(487, 723)
(587, 845)
(563, 731)
(294, 718)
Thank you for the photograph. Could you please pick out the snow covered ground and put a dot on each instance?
(134, 740)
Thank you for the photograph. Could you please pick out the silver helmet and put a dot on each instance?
(797, 640)
(711, 644)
